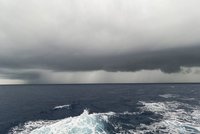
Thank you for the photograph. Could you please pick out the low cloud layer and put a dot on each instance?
(41, 38)
(167, 60)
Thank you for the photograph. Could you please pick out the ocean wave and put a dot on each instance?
(175, 120)
(168, 96)
(62, 106)
(84, 124)
(153, 117)
(29, 126)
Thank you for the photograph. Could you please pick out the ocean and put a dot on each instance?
(100, 109)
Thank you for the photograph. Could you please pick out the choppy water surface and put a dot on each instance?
(100, 109)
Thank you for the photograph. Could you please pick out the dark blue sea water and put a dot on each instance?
(100, 109)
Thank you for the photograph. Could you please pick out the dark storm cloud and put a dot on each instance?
(18, 74)
(87, 35)
(167, 60)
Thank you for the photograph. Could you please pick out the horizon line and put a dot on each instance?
(137, 83)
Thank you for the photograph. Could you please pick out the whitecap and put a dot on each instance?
(61, 107)
(83, 124)
(175, 120)
(168, 96)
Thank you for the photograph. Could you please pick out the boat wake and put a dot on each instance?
(178, 118)
(152, 117)
(84, 124)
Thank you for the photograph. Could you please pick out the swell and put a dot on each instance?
(152, 117)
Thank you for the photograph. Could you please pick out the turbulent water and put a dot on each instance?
(101, 109)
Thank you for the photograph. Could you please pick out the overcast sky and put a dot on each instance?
(92, 41)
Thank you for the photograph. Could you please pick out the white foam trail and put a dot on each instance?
(175, 120)
(29, 126)
(168, 96)
(61, 106)
(84, 124)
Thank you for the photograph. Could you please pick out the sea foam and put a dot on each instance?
(175, 119)
(83, 124)
(61, 107)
